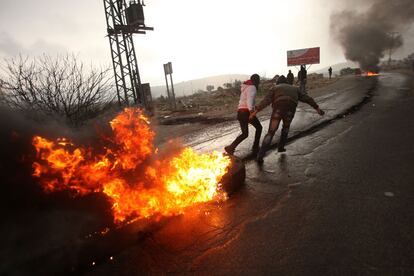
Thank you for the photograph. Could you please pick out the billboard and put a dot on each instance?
(303, 56)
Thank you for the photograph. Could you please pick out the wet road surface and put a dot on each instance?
(336, 100)
(339, 202)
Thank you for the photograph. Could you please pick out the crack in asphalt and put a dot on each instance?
(240, 227)
(323, 143)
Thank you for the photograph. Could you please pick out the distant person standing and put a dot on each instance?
(290, 78)
(330, 72)
(302, 78)
(245, 109)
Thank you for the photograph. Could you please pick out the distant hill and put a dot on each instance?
(192, 86)
(336, 68)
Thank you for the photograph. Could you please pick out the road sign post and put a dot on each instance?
(171, 96)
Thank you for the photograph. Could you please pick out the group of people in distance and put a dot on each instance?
(284, 98)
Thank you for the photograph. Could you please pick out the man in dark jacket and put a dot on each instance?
(290, 78)
(284, 99)
(302, 78)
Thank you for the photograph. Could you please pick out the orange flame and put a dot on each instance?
(130, 171)
(371, 74)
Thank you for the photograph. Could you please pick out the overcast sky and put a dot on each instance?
(200, 38)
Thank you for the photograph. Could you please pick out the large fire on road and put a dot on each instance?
(139, 182)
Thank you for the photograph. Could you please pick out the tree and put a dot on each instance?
(227, 85)
(237, 84)
(210, 88)
(162, 98)
(56, 86)
(2, 98)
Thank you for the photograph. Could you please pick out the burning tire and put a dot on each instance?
(235, 177)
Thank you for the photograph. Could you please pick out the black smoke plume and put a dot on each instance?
(367, 36)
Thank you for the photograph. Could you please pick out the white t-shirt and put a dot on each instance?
(247, 97)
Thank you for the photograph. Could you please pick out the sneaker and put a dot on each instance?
(260, 155)
(229, 150)
(281, 149)
(259, 158)
(255, 151)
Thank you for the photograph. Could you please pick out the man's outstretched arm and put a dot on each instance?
(303, 97)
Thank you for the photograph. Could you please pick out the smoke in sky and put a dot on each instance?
(367, 36)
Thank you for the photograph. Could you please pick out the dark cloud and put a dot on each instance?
(366, 36)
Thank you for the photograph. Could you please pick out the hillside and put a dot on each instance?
(336, 68)
(190, 87)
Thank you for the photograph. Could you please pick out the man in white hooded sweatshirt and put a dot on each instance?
(246, 106)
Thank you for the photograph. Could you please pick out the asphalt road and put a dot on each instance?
(339, 202)
(335, 99)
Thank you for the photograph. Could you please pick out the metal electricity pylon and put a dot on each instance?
(122, 22)
(393, 36)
